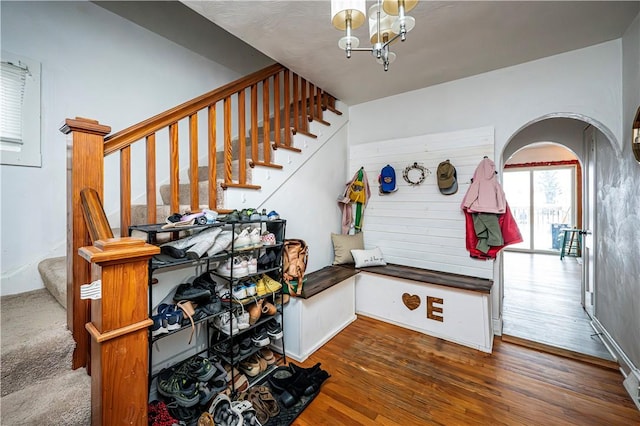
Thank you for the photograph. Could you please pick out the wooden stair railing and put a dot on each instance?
(289, 102)
(119, 320)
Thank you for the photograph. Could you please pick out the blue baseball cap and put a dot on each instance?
(387, 180)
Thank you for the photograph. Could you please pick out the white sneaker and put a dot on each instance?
(252, 265)
(222, 242)
(240, 268)
(242, 240)
(224, 323)
(243, 320)
(255, 237)
(240, 292)
(252, 289)
(225, 268)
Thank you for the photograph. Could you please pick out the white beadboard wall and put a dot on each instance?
(417, 225)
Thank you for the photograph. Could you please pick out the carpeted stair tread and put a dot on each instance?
(61, 400)
(36, 343)
(184, 193)
(54, 275)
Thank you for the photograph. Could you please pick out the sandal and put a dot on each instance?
(251, 366)
(206, 419)
(223, 413)
(247, 411)
(267, 355)
(272, 407)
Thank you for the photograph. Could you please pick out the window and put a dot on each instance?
(543, 202)
(20, 111)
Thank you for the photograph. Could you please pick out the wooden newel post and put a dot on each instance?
(85, 169)
(119, 331)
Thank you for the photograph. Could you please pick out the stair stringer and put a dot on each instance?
(269, 179)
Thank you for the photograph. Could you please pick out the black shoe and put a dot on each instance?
(228, 348)
(266, 261)
(213, 307)
(187, 415)
(205, 281)
(179, 386)
(192, 293)
(246, 345)
(173, 252)
(293, 382)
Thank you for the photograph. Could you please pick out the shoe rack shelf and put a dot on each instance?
(255, 349)
(165, 262)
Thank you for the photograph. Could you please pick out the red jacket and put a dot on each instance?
(510, 234)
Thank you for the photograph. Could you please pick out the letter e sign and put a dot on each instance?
(435, 312)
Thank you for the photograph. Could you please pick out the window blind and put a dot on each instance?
(12, 84)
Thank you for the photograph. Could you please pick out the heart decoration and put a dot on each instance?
(411, 301)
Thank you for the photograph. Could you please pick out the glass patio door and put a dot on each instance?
(542, 201)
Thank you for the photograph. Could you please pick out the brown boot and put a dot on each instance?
(255, 310)
(269, 308)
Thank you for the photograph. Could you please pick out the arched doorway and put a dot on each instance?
(547, 298)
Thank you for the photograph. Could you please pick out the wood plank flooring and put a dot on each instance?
(542, 307)
(383, 374)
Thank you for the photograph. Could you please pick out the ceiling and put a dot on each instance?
(451, 39)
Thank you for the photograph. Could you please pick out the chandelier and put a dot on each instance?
(387, 23)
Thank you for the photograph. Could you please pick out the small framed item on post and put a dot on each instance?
(635, 136)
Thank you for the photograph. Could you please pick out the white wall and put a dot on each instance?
(97, 65)
(585, 82)
(618, 219)
(417, 225)
(544, 152)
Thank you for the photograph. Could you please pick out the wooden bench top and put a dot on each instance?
(447, 279)
(322, 279)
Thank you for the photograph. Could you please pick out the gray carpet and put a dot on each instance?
(61, 400)
(37, 384)
(54, 276)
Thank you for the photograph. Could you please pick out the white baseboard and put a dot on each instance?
(628, 369)
(497, 326)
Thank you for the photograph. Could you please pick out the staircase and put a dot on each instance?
(38, 385)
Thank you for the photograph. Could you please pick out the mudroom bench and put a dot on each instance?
(449, 306)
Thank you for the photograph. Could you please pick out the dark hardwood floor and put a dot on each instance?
(382, 374)
(542, 307)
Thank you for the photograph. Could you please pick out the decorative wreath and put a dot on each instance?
(415, 166)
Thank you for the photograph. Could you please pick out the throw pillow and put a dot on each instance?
(342, 246)
(364, 258)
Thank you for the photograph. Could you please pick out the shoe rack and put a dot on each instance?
(220, 344)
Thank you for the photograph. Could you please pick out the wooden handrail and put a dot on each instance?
(126, 137)
(288, 103)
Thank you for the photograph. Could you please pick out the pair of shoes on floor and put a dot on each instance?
(177, 384)
(224, 412)
(263, 402)
(187, 416)
(293, 382)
